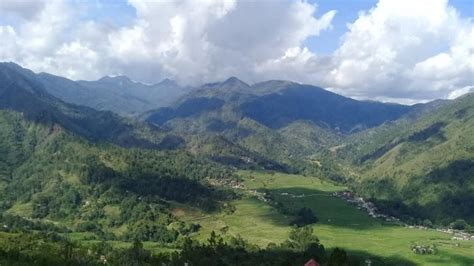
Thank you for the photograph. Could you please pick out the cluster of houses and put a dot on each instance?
(362, 204)
(259, 195)
(458, 235)
(226, 182)
(370, 208)
(429, 250)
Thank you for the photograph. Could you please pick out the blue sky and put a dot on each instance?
(403, 51)
(347, 11)
(121, 13)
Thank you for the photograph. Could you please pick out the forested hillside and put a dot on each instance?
(291, 124)
(420, 166)
(48, 173)
(22, 91)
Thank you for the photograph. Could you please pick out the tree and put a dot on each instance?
(300, 238)
(338, 258)
(427, 223)
(459, 224)
(304, 217)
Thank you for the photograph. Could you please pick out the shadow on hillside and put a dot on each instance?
(450, 259)
(358, 257)
(452, 196)
(329, 210)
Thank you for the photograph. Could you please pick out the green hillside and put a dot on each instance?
(425, 162)
(310, 120)
(50, 174)
(229, 174)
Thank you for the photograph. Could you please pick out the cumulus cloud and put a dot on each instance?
(405, 51)
(191, 41)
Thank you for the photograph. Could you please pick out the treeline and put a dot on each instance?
(52, 249)
(300, 247)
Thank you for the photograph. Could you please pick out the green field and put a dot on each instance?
(340, 224)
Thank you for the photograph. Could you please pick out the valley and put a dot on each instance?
(229, 173)
(340, 224)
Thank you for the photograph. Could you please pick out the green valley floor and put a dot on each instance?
(340, 223)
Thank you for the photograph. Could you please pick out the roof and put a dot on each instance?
(311, 262)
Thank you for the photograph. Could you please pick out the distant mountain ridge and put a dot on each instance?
(23, 91)
(118, 94)
(276, 104)
(282, 121)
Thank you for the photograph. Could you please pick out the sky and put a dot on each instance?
(404, 51)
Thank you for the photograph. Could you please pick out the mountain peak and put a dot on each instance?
(235, 81)
(116, 79)
(167, 82)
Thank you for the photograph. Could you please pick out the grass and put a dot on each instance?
(340, 225)
(21, 209)
(81, 237)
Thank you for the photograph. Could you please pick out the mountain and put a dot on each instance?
(285, 122)
(277, 104)
(22, 91)
(72, 172)
(409, 159)
(422, 165)
(61, 170)
(48, 173)
(117, 94)
(127, 97)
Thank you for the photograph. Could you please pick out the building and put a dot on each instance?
(311, 262)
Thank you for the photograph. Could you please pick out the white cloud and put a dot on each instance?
(405, 51)
(459, 92)
(192, 41)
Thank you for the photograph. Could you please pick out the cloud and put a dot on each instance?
(21, 9)
(212, 40)
(191, 41)
(397, 51)
(406, 49)
(459, 92)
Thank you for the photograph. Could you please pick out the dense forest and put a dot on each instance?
(48, 173)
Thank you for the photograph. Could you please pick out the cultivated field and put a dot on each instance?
(340, 223)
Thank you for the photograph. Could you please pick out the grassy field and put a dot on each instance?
(340, 224)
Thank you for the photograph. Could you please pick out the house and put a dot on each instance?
(311, 262)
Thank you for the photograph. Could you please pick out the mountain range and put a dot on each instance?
(408, 159)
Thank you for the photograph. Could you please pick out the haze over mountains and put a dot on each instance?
(118, 94)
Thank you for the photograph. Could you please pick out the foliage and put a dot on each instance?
(304, 217)
(63, 177)
(420, 167)
(338, 257)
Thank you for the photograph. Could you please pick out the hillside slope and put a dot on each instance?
(425, 162)
(285, 122)
(117, 94)
(22, 91)
(49, 174)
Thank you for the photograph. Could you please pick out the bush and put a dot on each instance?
(304, 217)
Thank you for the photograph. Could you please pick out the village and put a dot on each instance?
(371, 209)
(362, 204)
(348, 196)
